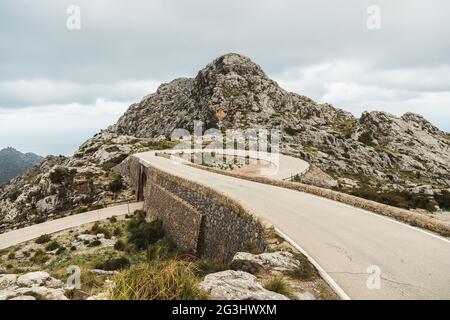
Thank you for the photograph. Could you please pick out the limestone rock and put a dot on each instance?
(23, 298)
(279, 261)
(33, 279)
(7, 280)
(237, 285)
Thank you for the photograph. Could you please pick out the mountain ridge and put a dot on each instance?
(14, 163)
(405, 158)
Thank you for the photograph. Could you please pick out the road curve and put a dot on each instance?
(355, 247)
(15, 237)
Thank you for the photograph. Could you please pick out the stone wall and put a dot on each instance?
(200, 219)
(406, 216)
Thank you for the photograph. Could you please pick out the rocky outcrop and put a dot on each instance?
(377, 151)
(276, 261)
(232, 92)
(237, 285)
(31, 286)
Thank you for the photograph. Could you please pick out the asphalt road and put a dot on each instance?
(12, 238)
(356, 248)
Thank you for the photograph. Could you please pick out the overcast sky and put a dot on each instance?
(59, 86)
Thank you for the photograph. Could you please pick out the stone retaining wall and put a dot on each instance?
(200, 219)
(409, 217)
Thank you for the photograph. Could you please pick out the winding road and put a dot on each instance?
(15, 237)
(366, 255)
(361, 254)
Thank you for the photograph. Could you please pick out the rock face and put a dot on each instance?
(31, 286)
(377, 150)
(237, 285)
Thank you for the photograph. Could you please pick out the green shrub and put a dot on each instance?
(60, 175)
(73, 248)
(12, 255)
(119, 245)
(39, 257)
(142, 233)
(52, 246)
(113, 219)
(116, 185)
(163, 249)
(60, 250)
(158, 280)
(279, 285)
(400, 199)
(117, 232)
(94, 243)
(43, 239)
(96, 229)
(113, 264)
(443, 200)
(366, 138)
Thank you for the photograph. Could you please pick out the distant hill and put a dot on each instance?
(14, 163)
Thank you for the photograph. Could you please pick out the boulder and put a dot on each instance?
(278, 261)
(237, 285)
(8, 294)
(43, 293)
(7, 280)
(33, 279)
(86, 237)
(24, 298)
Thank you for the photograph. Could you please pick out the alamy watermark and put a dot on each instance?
(373, 21)
(73, 21)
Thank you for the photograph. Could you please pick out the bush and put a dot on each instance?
(40, 257)
(96, 229)
(114, 264)
(113, 219)
(443, 200)
(60, 250)
(60, 175)
(11, 255)
(73, 248)
(119, 245)
(400, 199)
(43, 239)
(279, 285)
(117, 232)
(52, 246)
(158, 280)
(142, 234)
(94, 243)
(366, 138)
(164, 248)
(116, 185)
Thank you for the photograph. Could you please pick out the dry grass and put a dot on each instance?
(279, 285)
(158, 280)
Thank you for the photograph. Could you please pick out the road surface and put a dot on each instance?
(15, 237)
(356, 248)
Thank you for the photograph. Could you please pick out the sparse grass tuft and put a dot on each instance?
(158, 280)
(279, 285)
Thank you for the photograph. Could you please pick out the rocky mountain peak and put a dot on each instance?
(419, 121)
(231, 64)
